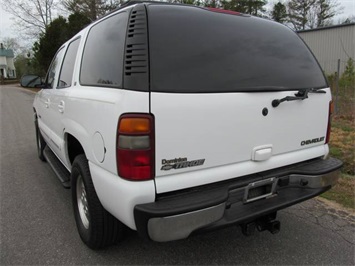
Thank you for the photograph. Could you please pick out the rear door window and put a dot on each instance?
(197, 50)
(66, 74)
(54, 68)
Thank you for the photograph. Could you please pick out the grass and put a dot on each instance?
(343, 192)
(342, 147)
(342, 144)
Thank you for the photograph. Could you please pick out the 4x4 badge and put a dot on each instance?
(180, 163)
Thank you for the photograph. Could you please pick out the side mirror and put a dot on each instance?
(31, 81)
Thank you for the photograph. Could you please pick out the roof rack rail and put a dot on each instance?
(133, 2)
(123, 5)
(129, 3)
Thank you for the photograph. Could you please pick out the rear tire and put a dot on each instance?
(97, 227)
(41, 143)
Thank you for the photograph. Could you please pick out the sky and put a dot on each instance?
(8, 29)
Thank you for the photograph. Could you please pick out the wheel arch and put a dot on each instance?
(73, 147)
(76, 140)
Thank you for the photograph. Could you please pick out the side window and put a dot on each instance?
(66, 74)
(102, 62)
(54, 68)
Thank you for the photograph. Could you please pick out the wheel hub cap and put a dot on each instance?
(82, 202)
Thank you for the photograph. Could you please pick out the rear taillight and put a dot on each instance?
(331, 107)
(135, 147)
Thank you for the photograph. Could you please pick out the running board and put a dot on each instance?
(58, 168)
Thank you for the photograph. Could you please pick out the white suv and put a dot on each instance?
(174, 120)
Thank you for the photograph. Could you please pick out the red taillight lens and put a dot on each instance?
(134, 165)
(329, 122)
(135, 147)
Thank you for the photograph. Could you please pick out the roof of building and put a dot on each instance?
(6, 52)
(328, 27)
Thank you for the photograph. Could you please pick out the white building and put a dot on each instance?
(329, 44)
(7, 67)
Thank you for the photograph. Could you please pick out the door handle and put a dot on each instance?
(61, 106)
(47, 103)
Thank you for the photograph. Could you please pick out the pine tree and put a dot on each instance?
(76, 22)
(212, 3)
(279, 13)
(58, 32)
(252, 7)
(92, 9)
(327, 9)
(304, 14)
(298, 12)
(348, 77)
(49, 42)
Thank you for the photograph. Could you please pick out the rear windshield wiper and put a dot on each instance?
(300, 95)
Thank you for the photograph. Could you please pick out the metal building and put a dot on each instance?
(329, 44)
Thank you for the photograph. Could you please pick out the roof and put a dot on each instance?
(6, 52)
(328, 27)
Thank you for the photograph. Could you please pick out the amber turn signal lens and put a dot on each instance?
(134, 125)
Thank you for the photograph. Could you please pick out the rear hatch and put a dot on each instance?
(213, 78)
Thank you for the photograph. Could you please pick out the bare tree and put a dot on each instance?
(309, 14)
(326, 10)
(298, 12)
(350, 19)
(312, 17)
(92, 9)
(13, 44)
(33, 16)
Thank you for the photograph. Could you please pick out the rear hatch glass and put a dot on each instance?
(232, 53)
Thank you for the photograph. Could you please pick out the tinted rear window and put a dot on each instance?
(102, 62)
(196, 50)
